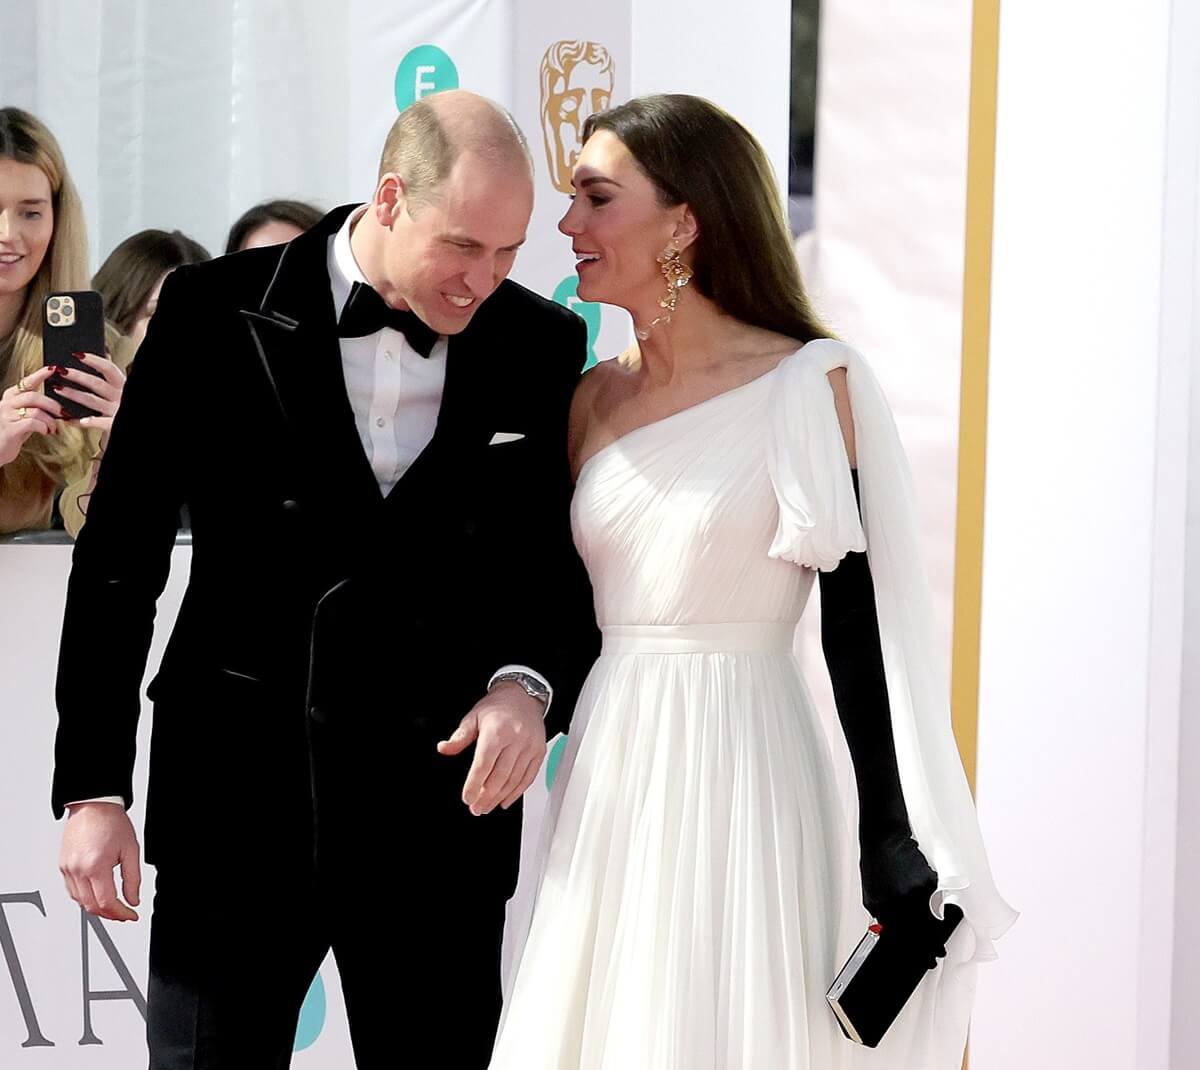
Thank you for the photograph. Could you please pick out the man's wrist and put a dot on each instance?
(532, 683)
(512, 692)
(115, 800)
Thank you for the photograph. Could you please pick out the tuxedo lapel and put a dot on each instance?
(463, 423)
(462, 420)
(294, 330)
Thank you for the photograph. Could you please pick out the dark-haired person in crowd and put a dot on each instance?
(131, 277)
(696, 886)
(43, 249)
(129, 282)
(271, 223)
(384, 607)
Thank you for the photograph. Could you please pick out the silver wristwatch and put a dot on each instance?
(531, 685)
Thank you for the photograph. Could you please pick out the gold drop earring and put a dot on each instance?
(677, 275)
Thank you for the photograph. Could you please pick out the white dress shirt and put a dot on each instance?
(395, 392)
(396, 395)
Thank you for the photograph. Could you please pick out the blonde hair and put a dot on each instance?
(25, 139)
(430, 134)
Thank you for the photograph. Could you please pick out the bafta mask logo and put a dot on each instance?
(577, 81)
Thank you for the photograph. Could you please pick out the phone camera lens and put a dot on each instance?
(54, 302)
(54, 317)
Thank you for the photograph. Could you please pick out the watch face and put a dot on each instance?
(530, 685)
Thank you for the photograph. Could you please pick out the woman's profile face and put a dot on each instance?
(617, 227)
(138, 331)
(26, 223)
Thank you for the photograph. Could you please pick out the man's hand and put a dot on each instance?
(510, 736)
(98, 837)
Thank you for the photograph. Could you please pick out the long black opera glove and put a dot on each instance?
(897, 879)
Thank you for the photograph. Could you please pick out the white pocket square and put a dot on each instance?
(505, 436)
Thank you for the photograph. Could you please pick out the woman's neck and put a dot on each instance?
(694, 339)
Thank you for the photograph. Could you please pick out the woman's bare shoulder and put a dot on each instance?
(596, 392)
(604, 380)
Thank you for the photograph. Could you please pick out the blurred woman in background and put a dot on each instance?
(132, 276)
(43, 249)
(129, 281)
(271, 223)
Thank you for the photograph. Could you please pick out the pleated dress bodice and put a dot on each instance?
(674, 519)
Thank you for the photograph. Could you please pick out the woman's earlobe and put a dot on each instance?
(686, 230)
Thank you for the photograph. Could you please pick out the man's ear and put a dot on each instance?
(391, 199)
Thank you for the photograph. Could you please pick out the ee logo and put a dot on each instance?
(424, 71)
(566, 294)
(312, 1016)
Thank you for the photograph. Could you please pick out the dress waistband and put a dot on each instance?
(742, 637)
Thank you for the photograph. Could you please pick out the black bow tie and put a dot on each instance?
(366, 312)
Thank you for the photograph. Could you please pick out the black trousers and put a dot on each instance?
(411, 901)
(420, 973)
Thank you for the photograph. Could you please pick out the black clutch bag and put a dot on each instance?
(872, 988)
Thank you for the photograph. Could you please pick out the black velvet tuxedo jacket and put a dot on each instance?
(329, 636)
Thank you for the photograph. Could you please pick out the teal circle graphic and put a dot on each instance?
(556, 753)
(312, 1016)
(424, 71)
(566, 294)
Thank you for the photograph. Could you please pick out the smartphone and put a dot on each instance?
(73, 322)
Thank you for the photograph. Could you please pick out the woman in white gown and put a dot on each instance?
(696, 890)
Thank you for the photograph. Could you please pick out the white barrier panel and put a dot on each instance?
(72, 994)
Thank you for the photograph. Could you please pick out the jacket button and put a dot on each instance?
(291, 505)
(316, 715)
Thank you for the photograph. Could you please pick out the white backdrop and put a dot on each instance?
(180, 115)
(884, 261)
(1090, 539)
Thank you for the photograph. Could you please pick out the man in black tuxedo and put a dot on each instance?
(368, 427)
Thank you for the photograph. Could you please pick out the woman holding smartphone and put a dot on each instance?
(43, 249)
(129, 282)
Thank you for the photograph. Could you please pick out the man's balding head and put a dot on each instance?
(430, 135)
(450, 209)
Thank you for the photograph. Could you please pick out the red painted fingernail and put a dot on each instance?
(61, 369)
(79, 356)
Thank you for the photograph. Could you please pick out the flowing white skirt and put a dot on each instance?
(696, 892)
